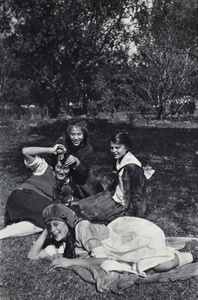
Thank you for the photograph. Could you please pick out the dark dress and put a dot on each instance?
(27, 201)
(25, 205)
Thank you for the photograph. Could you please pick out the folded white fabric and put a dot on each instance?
(148, 172)
(51, 249)
(113, 265)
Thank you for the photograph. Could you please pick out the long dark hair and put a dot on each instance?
(69, 251)
(60, 212)
(70, 242)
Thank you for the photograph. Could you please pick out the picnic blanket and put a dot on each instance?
(118, 282)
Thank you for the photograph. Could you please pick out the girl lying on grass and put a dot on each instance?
(126, 244)
(23, 214)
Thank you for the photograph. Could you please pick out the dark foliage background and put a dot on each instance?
(119, 54)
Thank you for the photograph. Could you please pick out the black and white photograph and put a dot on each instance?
(98, 149)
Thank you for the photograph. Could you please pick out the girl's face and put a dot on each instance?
(118, 150)
(76, 135)
(61, 171)
(58, 229)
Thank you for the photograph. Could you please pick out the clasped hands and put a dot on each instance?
(61, 149)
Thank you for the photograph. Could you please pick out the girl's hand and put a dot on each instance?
(60, 263)
(71, 160)
(58, 149)
(56, 256)
(36, 250)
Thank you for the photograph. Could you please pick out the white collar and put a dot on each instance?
(129, 158)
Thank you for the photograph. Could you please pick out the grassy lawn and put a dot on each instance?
(172, 204)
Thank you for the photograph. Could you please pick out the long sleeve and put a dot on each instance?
(135, 190)
(85, 156)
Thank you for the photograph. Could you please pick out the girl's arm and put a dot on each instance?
(36, 251)
(136, 191)
(83, 262)
(30, 152)
(84, 160)
(82, 167)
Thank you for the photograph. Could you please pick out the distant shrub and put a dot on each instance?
(183, 105)
(23, 112)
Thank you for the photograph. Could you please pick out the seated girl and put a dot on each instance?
(126, 196)
(80, 158)
(128, 244)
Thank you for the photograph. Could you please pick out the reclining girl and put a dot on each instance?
(128, 244)
(24, 206)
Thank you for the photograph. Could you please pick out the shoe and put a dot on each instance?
(192, 247)
(195, 256)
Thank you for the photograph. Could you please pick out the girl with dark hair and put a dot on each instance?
(80, 157)
(126, 196)
(127, 244)
(58, 237)
(24, 206)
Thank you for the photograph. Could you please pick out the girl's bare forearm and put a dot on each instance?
(37, 246)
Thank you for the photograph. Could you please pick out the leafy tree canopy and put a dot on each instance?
(164, 66)
(63, 44)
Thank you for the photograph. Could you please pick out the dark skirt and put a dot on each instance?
(101, 208)
(25, 205)
(90, 188)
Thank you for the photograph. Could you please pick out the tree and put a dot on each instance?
(164, 66)
(177, 19)
(162, 75)
(13, 86)
(63, 45)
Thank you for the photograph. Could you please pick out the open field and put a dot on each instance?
(172, 204)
